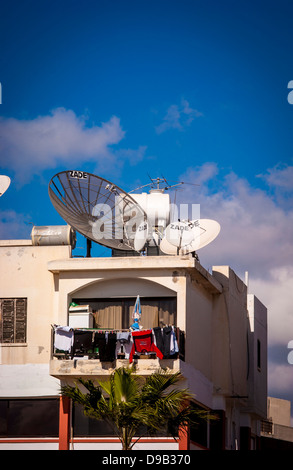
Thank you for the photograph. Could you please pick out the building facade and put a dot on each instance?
(47, 296)
(277, 432)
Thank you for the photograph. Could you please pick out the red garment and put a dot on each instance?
(143, 342)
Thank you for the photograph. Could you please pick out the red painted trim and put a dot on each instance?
(85, 440)
(103, 440)
(184, 440)
(64, 423)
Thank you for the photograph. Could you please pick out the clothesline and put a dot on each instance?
(114, 330)
(109, 343)
(91, 329)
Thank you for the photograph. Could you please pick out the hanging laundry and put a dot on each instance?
(174, 348)
(166, 341)
(123, 344)
(63, 338)
(158, 337)
(106, 343)
(82, 343)
(181, 342)
(143, 343)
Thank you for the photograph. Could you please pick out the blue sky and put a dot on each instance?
(196, 91)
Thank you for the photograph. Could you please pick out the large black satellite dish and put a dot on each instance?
(99, 210)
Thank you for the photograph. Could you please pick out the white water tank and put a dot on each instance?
(53, 235)
(156, 205)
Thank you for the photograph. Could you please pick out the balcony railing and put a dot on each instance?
(109, 345)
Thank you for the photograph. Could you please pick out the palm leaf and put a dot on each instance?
(128, 402)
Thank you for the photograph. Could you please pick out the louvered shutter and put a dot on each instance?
(13, 320)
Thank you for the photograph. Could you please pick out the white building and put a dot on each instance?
(221, 333)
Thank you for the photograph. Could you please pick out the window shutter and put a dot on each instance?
(7, 320)
(20, 321)
(13, 320)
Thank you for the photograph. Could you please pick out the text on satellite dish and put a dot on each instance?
(178, 226)
(77, 174)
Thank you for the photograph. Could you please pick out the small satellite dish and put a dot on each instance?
(98, 209)
(141, 236)
(167, 248)
(187, 237)
(4, 183)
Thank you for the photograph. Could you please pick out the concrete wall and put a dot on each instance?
(24, 273)
(279, 411)
(199, 312)
(257, 376)
(230, 326)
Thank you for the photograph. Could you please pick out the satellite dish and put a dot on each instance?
(186, 237)
(4, 183)
(208, 230)
(141, 236)
(182, 233)
(167, 248)
(99, 210)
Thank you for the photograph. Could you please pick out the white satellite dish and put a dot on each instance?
(187, 237)
(141, 236)
(167, 248)
(4, 183)
(182, 233)
(209, 230)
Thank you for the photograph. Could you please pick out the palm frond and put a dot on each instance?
(130, 403)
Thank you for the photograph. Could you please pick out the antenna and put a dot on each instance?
(157, 182)
(4, 184)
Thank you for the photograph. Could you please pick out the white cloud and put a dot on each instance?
(280, 380)
(29, 146)
(178, 117)
(277, 294)
(280, 181)
(281, 176)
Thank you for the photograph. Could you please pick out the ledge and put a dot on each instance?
(8, 243)
(116, 263)
(187, 262)
(74, 368)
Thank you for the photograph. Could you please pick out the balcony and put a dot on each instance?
(90, 352)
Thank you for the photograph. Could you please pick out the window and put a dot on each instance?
(117, 313)
(84, 426)
(37, 417)
(258, 354)
(199, 430)
(13, 314)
